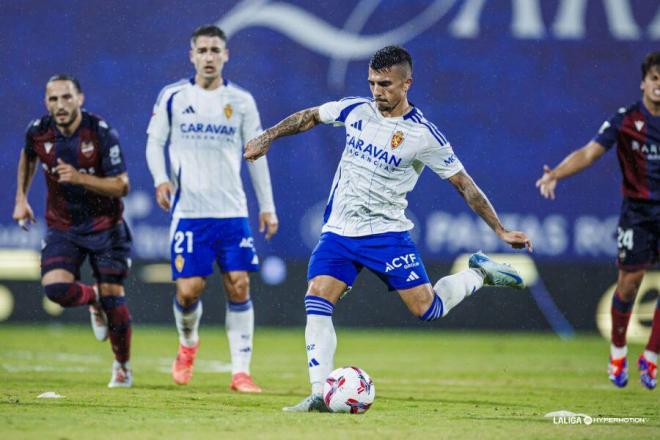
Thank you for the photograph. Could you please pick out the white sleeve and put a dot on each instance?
(260, 177)
(156, 160)
(329, 112)
(335, 112)
(158, 132)
(159, 124)
(438, 155)
(251, 122)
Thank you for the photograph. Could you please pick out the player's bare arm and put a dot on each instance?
(572, 164)
(23, 213)
(480, 204)
(296, 123)
(113, 186)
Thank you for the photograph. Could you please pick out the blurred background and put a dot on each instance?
(513, 84)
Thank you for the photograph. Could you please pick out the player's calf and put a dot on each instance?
(70, 294)
(119, 326)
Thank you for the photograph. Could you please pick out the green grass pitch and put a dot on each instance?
(429, 384)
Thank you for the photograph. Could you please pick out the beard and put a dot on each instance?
(66, 123)
(384, 106)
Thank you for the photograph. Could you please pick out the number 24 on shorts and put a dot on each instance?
(624, 238)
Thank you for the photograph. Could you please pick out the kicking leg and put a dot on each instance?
(429, 304)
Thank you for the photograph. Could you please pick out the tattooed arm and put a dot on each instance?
(480, 204)
(296, 123)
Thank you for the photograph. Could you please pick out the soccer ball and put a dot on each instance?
(349, 390)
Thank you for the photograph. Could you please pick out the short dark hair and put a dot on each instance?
(208, 30)
(652, 59)
(390, 56)
(66, 77)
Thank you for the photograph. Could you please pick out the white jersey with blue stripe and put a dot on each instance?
(382, 160)
(206, 132)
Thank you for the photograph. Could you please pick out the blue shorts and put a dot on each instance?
(109, 253)
(392, 256)
(198, 242)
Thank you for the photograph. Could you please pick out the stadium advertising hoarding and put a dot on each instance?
(560, 298)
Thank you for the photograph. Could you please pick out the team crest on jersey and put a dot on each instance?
(87, 148)
(179, 261)
(397, 139)
(48, 146)
(228, 111)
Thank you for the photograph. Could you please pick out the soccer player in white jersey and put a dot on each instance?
(388, 143)
(207, 121)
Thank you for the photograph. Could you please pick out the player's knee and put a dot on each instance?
(189, 290)
(188, 294)
(327, 292)
(238, 289)
(111, 289)
(187, 298)
(57, 292)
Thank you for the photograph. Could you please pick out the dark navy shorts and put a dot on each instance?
(199, 242)
(392, 256)
(109, 253)
(638, 234)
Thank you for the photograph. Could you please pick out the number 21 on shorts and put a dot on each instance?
(182, 239)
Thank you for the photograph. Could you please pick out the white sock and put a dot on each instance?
(239, 324)
(618, 352)
(321, 342)
(651, 356)
(187, 322)
(453, 289)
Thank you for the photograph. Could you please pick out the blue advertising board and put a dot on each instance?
(513, 84)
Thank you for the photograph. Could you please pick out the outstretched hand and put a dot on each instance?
(516, 239)
(547, 183)
(257, 147)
